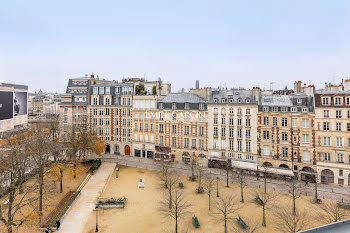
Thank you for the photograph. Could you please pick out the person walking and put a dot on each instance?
(58, 224)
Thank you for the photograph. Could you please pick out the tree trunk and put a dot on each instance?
(75, 169)
(9, 212)
(225, 225)
(176, 224)
(316, 194)
(242, 197)
(41, 184)
(227, 173)
(170, 199)
(265, 181)
(209, 200)
(264, 217)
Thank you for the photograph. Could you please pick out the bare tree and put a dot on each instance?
(14, 163)
(179, 207)
(225, 209)
(193, 164)
(331, 212)
(288, 221)
(209, 185)
(200, 174)
(170, 182)
(53, 127)
(241, 179)
(266, 200)
(228, 169)
(165, 167)
(40, 154)
(294, 190)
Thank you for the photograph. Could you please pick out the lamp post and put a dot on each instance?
(217, 186)
(96, 209)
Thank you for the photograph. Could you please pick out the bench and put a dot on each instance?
(181, 185)
(241, 222)
(345, 205)
(259, 201)
(195, 222)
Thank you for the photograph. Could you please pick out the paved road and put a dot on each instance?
(75, 219)
(324, 191)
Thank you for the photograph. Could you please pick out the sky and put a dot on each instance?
(221, 43)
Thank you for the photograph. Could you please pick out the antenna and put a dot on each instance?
(271, 85)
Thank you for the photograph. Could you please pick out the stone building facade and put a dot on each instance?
(286, 134)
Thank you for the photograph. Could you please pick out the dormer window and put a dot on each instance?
(231, 100)
(95, 91)
(325, 101)
(284, 109)
(304, 110)
(201, 106)
(187, 106)
(294, 109)
(338, 101)
(174, 106)
(108, 90)
(101, 90)
(266, 109)
(239, 100)
(222, 100)
(299, 101)
(161, 105)
(275, 109)
(247, 100)
(215, 100)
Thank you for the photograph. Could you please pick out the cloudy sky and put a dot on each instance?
(227, 43)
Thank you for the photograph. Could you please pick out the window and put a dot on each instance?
(239, 145)
(266, 135)
(338, 101)
(201, 144)
(247, 111)
(338, 126)
(266, 120)
(326, 141)
(187, 106)
(274, 121)
(231, 121)
(339, 142)
(247, 146)
(174, 106)
(161, 128)
(247, 133)
(266, 109)
(340, 158)
(326, 126)
(327, 156)
(194, 143)
(347, 100)
(173, 129)
(232, 143)
(306, 156)
(306, 138)
(107, 111)
(338, 114)
(215, 131)
(305, 123)
(239, 133)
(107, 100)
(325, 101)
(231, 133)
(223, 132)
(294, 109)
(95, 101)
(349, 144)
(326, 113)
(266, 150)
(95, 111)
(186, 143)
(201, 106)
(215, 111)
(294, 122)
(299, 101)
(223, 110)
(173, 141)
(284, 121)
(231, 111)
(201, 131)
(223, 145)
(187, 130)
(239, 111)
(285, 137)
(223, 121)
(239, 121)
(161, 140)
(285, 152)
(215, 121)
(348, 127)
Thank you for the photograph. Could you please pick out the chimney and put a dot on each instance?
(197, 84)
(183, 90)
(92, 76)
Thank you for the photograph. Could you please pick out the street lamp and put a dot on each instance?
(96, 209)
(217, 186)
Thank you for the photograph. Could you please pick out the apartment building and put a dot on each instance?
(286, 134)
(146, 96)
(332, 116)
(182, 128)
(232, 126)
(110, 115)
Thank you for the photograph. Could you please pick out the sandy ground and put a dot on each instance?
(76, 217)
(51, 199)
(141, 212)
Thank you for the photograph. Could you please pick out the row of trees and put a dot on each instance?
(34, 153)
(289, 218)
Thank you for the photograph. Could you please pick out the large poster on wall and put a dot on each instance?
(6, 105)
(20, 103)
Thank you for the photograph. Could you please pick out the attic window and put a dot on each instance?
(299, 101)
(239, 100)
(187, 106)
(231, 100)
(174, 106)
(215, 100)
(223, 100)
(247, 100)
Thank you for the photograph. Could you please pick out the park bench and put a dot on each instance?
(195, 222)
(181, 185)
(242, 223)
(345, 205)
(258, 200)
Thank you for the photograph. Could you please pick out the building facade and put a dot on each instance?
(286, 134)
(232, 125)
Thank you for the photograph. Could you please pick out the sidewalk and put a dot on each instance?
(75, 219)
